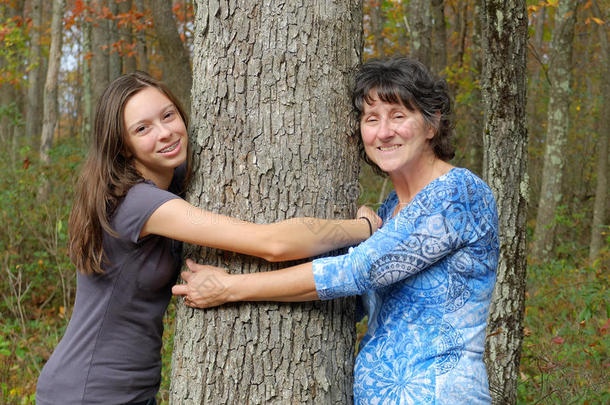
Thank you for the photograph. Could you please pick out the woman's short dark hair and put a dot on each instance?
(407, 81)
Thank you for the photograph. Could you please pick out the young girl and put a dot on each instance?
(124, 227)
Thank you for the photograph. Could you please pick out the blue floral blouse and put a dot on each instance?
(427, 276)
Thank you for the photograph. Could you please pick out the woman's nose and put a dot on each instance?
(385, 130)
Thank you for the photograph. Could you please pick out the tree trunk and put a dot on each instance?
(115, 65)
(176, 63)
(601, 189)
(420, 31)
(99, 58)
(141, 41)
(87, 103)
(558, 125)
(505, 168)
(126, 33)
(272, 139)
(33, 122)
(377, 20)
(50, 120)
(439, 36)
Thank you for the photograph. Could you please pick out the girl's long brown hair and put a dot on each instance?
(108, 173)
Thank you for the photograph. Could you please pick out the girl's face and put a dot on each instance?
(156, 136)
(394, 137)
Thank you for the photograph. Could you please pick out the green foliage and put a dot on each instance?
(37, 283)
(565, 349)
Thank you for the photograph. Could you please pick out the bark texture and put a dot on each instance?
(176, 63)
(558, 118)
(505, 170)
(50, 89)
(601, 188)
(272, 139)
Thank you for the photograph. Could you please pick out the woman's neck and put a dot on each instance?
(413, 180)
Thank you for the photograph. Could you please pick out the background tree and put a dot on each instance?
(50, 120)
(601, 189)
(272, 139)
(33, 123)
(560, 74)
(505, 136)
(176, 62)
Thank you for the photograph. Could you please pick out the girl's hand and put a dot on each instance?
(369, 214)
(205, 287)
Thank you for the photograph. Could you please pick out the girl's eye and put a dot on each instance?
(140, 129)
(169, 114)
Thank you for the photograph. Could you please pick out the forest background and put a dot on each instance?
(56, 57)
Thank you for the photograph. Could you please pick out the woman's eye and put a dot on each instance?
(140, 130)
(169, 114)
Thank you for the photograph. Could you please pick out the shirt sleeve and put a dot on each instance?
(137, 206)
(437, 222)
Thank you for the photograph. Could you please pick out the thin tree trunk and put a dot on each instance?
(126, 34)
(420, 30)
(115, 65)
(86, 85)
(176, 62)
(557, 130)
(141, 41)
(272, 140)
(439, 36)
(505, 170)
(33, 123)
(377, 20)
(99, 58)
(601, 190)
(50, 119)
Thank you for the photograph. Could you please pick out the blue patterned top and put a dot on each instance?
(428, 275)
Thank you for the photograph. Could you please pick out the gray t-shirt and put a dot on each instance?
(111, 351)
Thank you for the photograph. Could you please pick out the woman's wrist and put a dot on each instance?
(369, 225)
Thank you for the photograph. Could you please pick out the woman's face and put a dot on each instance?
(156, 135)
(394, 137)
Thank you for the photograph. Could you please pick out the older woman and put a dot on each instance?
(427, 275)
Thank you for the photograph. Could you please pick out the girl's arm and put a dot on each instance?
(209, 286)
(285, 240)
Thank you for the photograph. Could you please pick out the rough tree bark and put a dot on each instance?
(49, 121)
(176, 63)
(601, 189)
(558, 119)
(271, 140)
(33, 122)
(505, 170)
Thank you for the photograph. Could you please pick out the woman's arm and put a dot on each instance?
(209, 286)
(285, 240)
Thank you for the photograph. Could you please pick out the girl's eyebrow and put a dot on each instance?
(165, 108)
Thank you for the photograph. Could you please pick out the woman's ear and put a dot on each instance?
(436, 124)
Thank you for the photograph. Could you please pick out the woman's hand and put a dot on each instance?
(375, 220)
(205, 287)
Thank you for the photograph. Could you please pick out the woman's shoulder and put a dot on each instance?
(466, 181)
